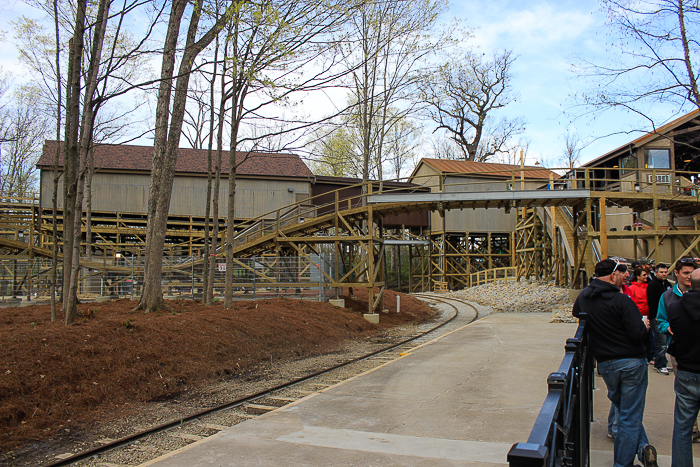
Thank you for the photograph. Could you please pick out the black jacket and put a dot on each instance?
(655, 289)
(614, 324)
(684, 320)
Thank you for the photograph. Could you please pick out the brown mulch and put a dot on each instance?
(54, 376)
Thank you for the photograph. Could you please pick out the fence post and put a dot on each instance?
(29, 279)
(254, 287)
(192, 288)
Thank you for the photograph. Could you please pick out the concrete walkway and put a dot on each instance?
(461, 400)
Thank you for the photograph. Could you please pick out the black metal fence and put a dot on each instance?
(561, 435)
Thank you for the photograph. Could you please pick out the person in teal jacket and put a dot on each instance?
(684, 267)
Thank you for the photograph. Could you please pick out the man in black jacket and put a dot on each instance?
(657, 286)
(684, 321)
(616, 336)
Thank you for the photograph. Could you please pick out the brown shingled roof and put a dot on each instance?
(488, 169)
(128, 157)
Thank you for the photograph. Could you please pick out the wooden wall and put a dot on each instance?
(471, 220)
(118, 192)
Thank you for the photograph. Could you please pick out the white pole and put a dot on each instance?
(398, 304)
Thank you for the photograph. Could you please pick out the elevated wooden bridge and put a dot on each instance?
(560, 232)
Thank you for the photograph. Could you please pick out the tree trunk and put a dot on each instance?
(152, 296)
(231, 215)
(88, 203)
(207, 210)
(86, 129)
(217, 185)
(70, 153)
(54, 198)
(167, 141)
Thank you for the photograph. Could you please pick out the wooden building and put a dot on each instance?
(465, 240)
(477, 177)
(121, 181)
(664, 161)
(351, 188)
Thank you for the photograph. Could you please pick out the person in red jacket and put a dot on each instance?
(638, 287)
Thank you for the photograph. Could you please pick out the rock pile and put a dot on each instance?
(522, 297)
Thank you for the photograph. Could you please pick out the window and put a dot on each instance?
(658, 159)
(628, 162)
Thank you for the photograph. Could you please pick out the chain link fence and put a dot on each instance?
(182, 277)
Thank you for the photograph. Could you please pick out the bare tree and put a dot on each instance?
(167, 138)
(23, 138)
(443, 147)
(55, 172)
(657, 59)
(87, 91)
(572, 150)
(272, 47)
(197, 121)
(511, 153)
(385, 49)
(71, 154)
(462, 98)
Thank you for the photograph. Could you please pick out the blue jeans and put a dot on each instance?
(660, 360)
(687, 386)
(613, 420)
(627, 380)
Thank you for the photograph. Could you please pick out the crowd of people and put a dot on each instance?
(624, 347)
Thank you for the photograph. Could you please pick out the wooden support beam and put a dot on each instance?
(603, 228)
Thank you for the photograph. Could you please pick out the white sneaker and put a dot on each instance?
(663, 371)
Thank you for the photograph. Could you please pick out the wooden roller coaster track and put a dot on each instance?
(559, 235)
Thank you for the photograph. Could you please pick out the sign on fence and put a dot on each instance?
(222, 267)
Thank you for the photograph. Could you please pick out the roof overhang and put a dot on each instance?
(477, 197)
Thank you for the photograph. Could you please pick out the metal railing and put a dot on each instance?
(561, 435)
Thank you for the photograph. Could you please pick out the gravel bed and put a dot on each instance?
(521, 297)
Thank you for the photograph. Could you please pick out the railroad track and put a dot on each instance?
(157, 441)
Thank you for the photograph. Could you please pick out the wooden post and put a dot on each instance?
(603, 229)
(488, 239)
(336, 253)
(522, 177)
(656, 228)
(574, 233)
(512, 255)
(370, 251)
(443, 258)
(410, 268)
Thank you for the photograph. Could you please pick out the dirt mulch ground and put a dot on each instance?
(54, 376)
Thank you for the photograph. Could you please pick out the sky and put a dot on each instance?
(546, 36)
(549, 37)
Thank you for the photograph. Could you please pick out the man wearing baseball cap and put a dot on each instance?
(617, 333)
